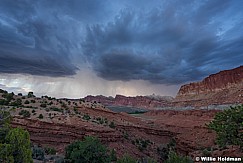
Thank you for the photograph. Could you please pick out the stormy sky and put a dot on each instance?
(72, 48)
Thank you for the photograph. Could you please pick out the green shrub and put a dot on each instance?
(3, 91)
(100, 120)
(58, 159)
(86, 117)
(19, 139)
(26, 102)
(228, 125)
(64, 106)
(56, 109)
(147, 160)
(43, 105)
(113, 156)
(88, 150)
(126, 159)
(6, 153)
(5, 118)
(6, 150)
(40, 116)
(8, 96)
(163, 152)
(14, 143)
(4, 102)
(112, 125)
(38, 153)
(18, 102)
(75, 110)
(50, 103)
(174, 158)
(50, 150)
(141, 143)
(206, 153)
(125, 134)
(24, 113)
(30, 94)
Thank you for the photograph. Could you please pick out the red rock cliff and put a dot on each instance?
(227, 85)
(142, 101)
(147, 102)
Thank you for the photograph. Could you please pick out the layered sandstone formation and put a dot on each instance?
(100, 99)
(146, 102)
(60, 127)
(225, 87)
(63, 129)
(190, 131)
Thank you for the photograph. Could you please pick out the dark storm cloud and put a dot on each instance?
(29, 43)
(159, 41)
(175, 43)
(41, 37)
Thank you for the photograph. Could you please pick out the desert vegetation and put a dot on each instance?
(14, 142)
(120, 136)
(229, 126)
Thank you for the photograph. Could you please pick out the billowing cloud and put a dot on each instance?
(169, 45)
(117, 43)
(37, 38)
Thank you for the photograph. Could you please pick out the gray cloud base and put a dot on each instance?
(166, 42)
(168, 45)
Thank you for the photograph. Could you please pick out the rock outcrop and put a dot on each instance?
(100, 99)
(146, 102)
(225, 87)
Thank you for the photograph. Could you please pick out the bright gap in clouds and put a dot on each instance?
(84, 83)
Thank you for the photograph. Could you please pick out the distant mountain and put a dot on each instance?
(146, 102)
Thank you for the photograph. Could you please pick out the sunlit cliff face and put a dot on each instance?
(131, 47)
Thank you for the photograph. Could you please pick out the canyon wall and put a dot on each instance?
(225, 87)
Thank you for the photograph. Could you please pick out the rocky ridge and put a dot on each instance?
(225, 87)
(145, 102)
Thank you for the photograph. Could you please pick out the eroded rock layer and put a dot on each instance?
(147, 102)
(225, 87)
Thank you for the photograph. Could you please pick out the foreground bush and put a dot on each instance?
(19, 140)
(50, 150)
(89, 150)
(14, 143)
(38, 153)
(126, 159)
(25, 113)
(175, 158)
(229, 126)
